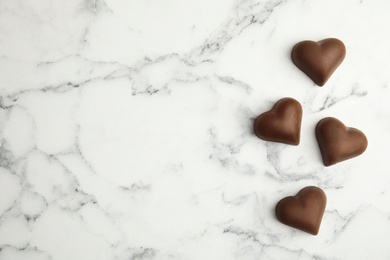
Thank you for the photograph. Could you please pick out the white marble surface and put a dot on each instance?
(126, 129)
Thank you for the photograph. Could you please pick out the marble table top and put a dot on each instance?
(126, 129)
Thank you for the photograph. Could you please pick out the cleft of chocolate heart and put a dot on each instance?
(337, 142)
(303, 211)
(318, 60)
(282, 123)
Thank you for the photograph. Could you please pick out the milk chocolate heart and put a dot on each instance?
(303, 211)
(318, 60)
(338, 142)
(282, 123)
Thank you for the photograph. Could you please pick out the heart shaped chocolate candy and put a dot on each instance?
(338, 142)
(318, 60)
(282, 123)
(303, 211)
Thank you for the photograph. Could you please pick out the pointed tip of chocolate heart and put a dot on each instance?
(282, 123)
(303, 211)
(338, 142)
(318, 60)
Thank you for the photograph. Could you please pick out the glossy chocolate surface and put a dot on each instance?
(318, 60)
(338, 142)
(282, 123)
(303, 211)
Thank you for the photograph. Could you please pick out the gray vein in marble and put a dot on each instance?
(28, 249)
(247, 13)
(236, 201)
(232, 81)
(147, 253)
(223, 152)
(345, 220)
(331, 100)
(6, 158)
(246, 234)
(136, 187)
(281, 175)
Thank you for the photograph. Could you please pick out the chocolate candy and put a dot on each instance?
(282, 123)
(338, 142)
(303, 211)
(318, 60)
